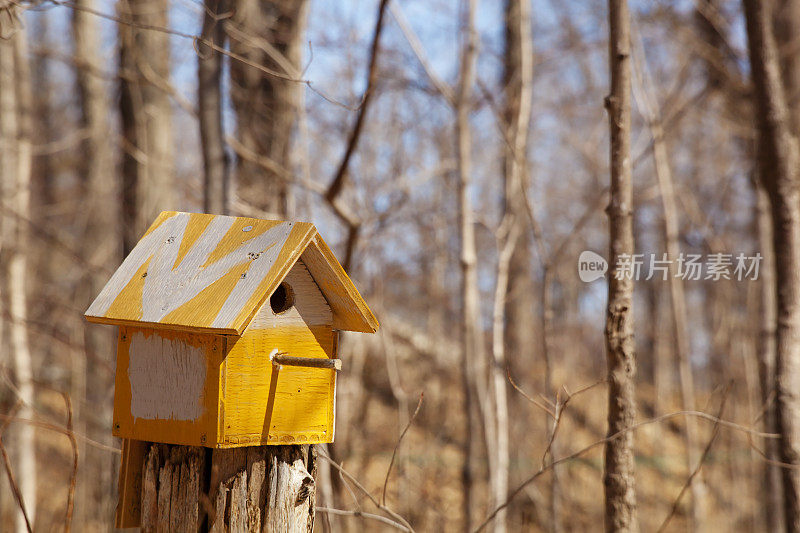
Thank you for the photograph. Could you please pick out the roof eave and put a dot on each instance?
(350, 311)
(162, 326)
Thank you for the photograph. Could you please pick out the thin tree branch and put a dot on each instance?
(361, 487)
(360, 514)
(196, 39)
(697, 468)
(63, 431)
(372, 75)
(14, 487)
(534, 401)
(74, 476)
(396, 446)
(699, 414)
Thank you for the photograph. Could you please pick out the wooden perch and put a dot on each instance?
(309, 362)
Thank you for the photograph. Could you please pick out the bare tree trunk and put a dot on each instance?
(786, 20)
(212, 137)
(771, 482)
(97, 190)
(652, 114)
(499, 478)
(471, 335)
(779, 158)
(618, 478)
(148, 163)
(268, 33)
(15, 167)
(519, 317)
(518, 83)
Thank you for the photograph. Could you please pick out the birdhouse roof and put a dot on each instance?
(212, 273)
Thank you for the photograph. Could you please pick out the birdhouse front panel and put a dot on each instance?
(167, 386)
(266, 403)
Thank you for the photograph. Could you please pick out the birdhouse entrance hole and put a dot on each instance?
(282, 299)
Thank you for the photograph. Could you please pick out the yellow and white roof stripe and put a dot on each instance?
(205, 272)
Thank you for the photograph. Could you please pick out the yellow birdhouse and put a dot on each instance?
(228, 332)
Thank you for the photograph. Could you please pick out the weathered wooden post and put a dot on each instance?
(226, 370)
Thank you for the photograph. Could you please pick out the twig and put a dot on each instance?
(360, 514)
(63, 431)
(74, 477)
(697, 468)
(560, 406)
(11, 412)
(360, 487)
(556, 424)
(196, 39)
(349, 489)
(14, 487)
(416, 46)
(335, 188)
(45, 235)
(372, 74)
(342, 211)
(634, 427)
(534, 401)
(396, 446)
(47, 329)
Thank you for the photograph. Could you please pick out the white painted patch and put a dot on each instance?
(167, 378)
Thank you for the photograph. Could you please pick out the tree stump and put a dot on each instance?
(248, 489)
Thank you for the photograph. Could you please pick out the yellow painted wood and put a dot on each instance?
(205, 306)
(129, 300)
(163, 216)
(197, 225)
(201, 431)
(262, 404)
(129, 510)
(236, 236)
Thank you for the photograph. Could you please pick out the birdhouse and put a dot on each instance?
(228, 330)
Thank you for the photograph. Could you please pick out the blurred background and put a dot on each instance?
(454, 154)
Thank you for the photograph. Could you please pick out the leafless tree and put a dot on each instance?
(618, 476)
(15, 162)
(518, 87)
(779, 157)
(428, 150)
(270, 34)
(651, 112)
(209, 97)
(766, 361)
(471, 336)
(518, 326)
(148, 170)
(98, 191)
